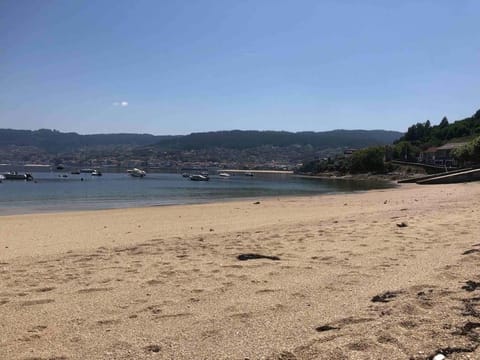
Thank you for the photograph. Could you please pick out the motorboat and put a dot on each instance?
(96, 173)
(224, 175)
(248, 173)
(13, 175)
(135, 172)
(87, 171)
(75, 172)
(199, 177)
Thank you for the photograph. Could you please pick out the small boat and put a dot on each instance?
(199, 177)
(185, 175)
(87, 171)
(75, 172)
(13, 175)
(224, 175)
(137, 172)
(248, 173)
(96, 173)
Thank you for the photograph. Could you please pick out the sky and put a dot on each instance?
(176, 67)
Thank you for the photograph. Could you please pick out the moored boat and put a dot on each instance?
(135, 172)
(13, 175)
(224, 175)
(96, 173)
(199, 177)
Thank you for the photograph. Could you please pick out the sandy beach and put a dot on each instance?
(386, 274)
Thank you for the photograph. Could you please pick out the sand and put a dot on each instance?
(388, 274)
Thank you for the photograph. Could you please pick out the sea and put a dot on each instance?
(54, 191)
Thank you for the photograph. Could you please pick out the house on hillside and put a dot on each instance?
(428, 156)
(348, 152)
(440, 156)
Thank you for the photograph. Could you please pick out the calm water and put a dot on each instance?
(113, 190)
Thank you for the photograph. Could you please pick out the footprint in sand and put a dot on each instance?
(36, 302)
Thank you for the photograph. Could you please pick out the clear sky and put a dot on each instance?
(181, 66)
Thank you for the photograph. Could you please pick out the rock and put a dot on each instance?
(439, 357)
(385, 297)
(243, 257)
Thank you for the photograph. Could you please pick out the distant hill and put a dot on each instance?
(240, 140)
(221, 148)
(53, 141)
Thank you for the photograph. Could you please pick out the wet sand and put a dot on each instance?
(387, 274)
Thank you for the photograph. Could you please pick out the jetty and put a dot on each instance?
(449, 177)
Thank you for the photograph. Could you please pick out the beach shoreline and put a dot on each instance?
(166, 282)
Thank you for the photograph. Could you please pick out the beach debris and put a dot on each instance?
(325, 328)
(385, 202)
(250, 256)
(471, 305)
(153, 348)
(402, 224)
(211, 230)
(471, 285)
(286, 355)
(451, 350)
(471, 251)
(468, 327)
(439, 357)
(385, 297)
(256, 203)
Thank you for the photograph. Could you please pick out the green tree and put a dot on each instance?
(368, 160)
(469, 153)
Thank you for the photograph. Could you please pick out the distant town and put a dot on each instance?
(233, 150)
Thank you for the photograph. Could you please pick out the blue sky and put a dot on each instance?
(175, 67)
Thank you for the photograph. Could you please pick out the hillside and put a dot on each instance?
(222, 148)
(237, 139)
(55, 141)
(424, 135)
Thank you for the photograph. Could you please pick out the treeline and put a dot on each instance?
(425, 135)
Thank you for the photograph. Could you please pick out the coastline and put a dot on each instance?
(165, 282)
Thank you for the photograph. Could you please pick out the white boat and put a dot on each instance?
(224, 175)
(135, 172)
(199, 177)
(96, 173)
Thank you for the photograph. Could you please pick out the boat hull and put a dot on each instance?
(26, 176)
